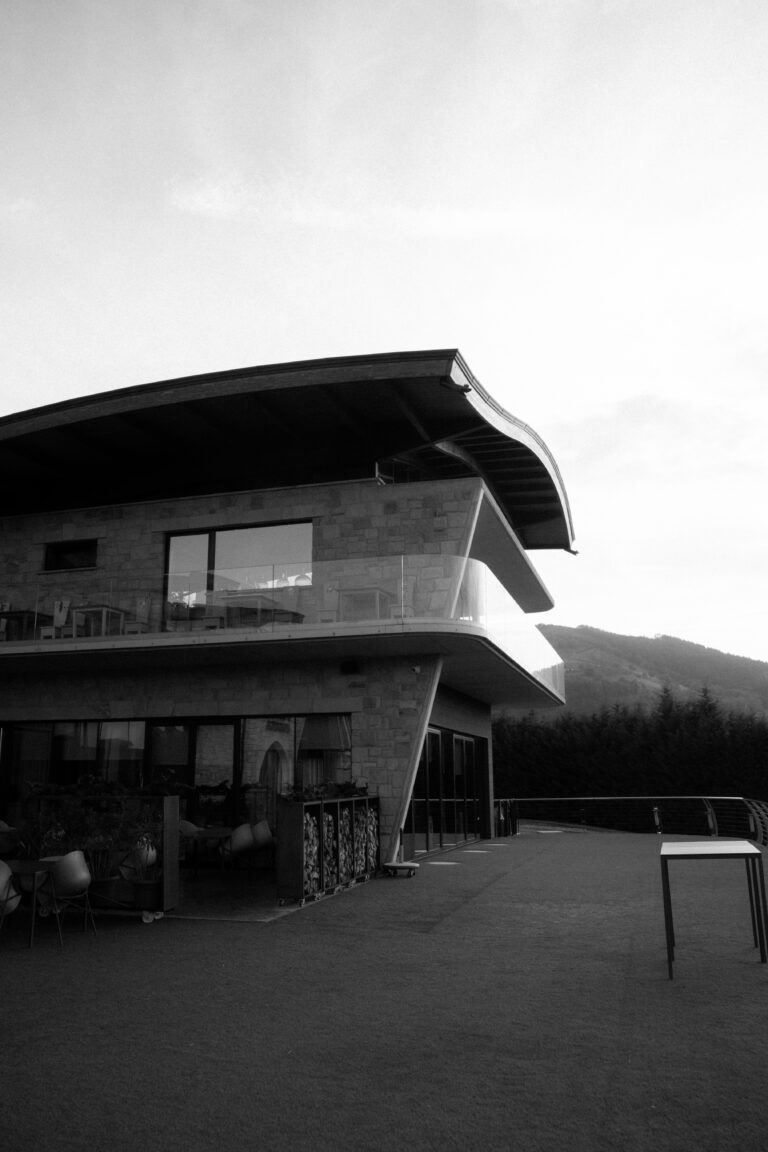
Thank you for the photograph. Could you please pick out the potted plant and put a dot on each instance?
(142, 865)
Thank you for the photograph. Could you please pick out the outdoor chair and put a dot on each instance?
(140, 621)
(246, 839)
(9, 897)
(60, 626)
(67, 887)
(9, 840)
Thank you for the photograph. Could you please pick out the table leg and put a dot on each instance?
(760, 903)
(752, 894)
(33, 911)
(668, 923)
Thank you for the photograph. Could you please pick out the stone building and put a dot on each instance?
(277, 580)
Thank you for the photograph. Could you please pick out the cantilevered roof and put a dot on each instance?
(400, 416)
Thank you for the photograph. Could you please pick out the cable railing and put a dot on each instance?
(726, 816)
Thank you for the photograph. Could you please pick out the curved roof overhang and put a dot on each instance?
(409, 415)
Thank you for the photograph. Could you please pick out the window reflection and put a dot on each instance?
(324, 753)
(230, 569)
(121, 751)
(169, 754)
(268, 766)
(225, 771)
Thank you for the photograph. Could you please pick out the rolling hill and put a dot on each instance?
(604, 668)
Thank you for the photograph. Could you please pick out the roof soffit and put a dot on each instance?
(306, 422)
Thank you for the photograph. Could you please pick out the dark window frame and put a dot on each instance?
(212, 531)
(54, 555)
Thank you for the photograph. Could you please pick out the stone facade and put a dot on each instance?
(388, 700)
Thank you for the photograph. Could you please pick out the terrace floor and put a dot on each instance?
(514, 994)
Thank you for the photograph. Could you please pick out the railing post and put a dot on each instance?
(711, 818)
(514, 817)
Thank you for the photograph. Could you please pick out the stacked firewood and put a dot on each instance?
(372, 839)
(361, 827)
(330, 868)
(311, 855)
(345, 846)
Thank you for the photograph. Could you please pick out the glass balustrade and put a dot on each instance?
(381, 594)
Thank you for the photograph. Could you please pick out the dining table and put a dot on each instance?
(37, 872)
(22, 623)
(97, 620)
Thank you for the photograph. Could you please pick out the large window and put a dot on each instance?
(234, 568)
(226, 771)
(74, 751)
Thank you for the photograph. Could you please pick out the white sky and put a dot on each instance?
(573, 192)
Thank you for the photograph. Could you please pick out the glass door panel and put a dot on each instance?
(214, 770)
(169, 754)
(419, 827)
(187, 578)
(268, 759)
(445, 803)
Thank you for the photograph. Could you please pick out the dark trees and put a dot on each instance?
(677, 748)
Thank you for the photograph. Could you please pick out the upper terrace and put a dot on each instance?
(390, 605)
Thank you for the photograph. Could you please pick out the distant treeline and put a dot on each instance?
(690, 748)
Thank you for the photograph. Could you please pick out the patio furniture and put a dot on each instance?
(22, 623)
(59, 626)
(9, 897)
(140, 621)
(718, 850)
(31, 875)
(9, 840)
(246, 839)
(97, 620)
(204, 836)
(69, 881)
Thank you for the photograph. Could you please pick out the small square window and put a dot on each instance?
(67, 554)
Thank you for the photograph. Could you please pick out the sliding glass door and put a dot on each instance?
(446, 801)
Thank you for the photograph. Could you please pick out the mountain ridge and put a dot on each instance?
(605, 669)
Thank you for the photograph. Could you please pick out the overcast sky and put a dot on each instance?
(572, 192)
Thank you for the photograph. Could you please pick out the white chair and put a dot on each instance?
(9, 897)
(247, 838)
(9, 839)
(67, 887)
(59, 627)
(140, 621)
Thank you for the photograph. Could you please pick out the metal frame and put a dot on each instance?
(720, 850)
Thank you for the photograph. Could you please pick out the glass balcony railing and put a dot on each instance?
(381, 594)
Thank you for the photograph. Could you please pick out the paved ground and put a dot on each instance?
(510, 996)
